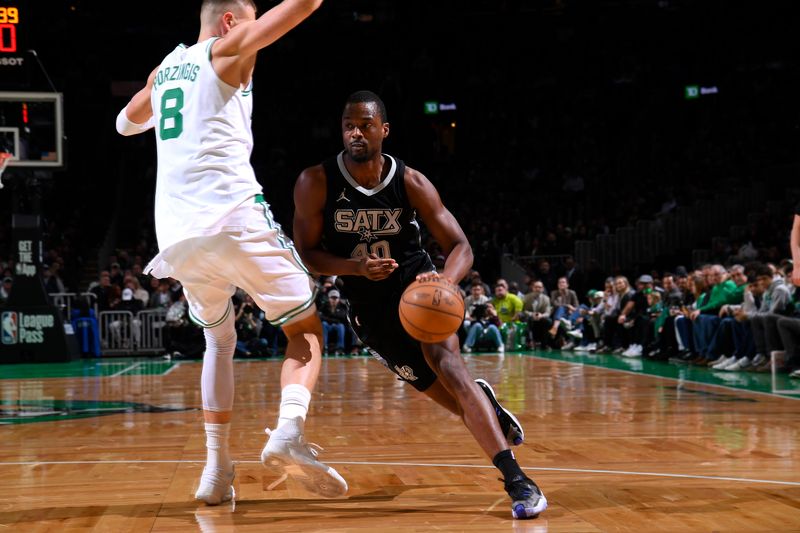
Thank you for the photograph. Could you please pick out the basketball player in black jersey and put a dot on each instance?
(355, 217)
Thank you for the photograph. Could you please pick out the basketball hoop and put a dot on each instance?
(5, 157)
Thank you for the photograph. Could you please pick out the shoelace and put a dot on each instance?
(313, 448)
(527, 492)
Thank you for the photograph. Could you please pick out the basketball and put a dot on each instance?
(431, 311)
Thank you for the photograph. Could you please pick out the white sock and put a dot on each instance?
(294, 403)
(217, 446)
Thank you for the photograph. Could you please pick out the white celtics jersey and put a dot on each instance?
(204, 140)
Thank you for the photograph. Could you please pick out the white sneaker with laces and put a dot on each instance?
(732, 361)
(634, 350)
(627, 350)
(723, 362)
(501, 349)
(575, 333)
(718, 360)
(759, 359)
(591, 347)
(740, 364)
(288, 452)
(466, 349)
(216, 487)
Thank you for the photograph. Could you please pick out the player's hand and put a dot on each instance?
(376, 268)
(433, 276)
(796, 276)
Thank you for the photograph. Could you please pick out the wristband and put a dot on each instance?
(127, 128)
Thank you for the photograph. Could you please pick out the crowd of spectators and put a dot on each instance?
(735, 318)
(123, 286)
(732, 319)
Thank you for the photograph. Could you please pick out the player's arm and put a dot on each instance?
(137, 116)
(444, 227)
(310, 192)
(247, 38)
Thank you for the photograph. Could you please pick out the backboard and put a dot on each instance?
(32, 129)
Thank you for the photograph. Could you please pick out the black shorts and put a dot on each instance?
(379, 327)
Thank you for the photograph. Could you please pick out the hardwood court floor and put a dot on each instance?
(122, 450)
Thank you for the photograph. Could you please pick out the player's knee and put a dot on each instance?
(437, 390)
(303, 347)
(221, 340)
(304, 338)
(310, 324)
(458, 378)
(449, 365)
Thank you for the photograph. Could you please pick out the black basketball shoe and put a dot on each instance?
(509, 424)
(527, 500)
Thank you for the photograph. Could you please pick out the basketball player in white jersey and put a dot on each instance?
(215, 231)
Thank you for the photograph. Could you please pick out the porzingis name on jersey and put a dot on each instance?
(369, 223)
(185, 71)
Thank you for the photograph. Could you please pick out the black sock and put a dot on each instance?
(507, 464)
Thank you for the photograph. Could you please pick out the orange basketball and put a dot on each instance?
(431, 311)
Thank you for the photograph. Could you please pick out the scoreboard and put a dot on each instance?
(13, 18)
(31, 110)
(9, 19)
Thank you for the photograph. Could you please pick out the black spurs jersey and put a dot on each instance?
(359, 221)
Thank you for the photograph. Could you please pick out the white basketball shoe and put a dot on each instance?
(288, 452)
(216, 487)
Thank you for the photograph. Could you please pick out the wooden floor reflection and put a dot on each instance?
(613, 451)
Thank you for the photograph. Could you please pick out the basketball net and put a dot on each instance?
(5, 157)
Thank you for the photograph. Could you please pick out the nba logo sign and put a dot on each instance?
(10, 327)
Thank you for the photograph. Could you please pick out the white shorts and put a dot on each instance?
(260, 259)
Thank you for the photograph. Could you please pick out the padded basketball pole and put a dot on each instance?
(25, 187)
(32, 328)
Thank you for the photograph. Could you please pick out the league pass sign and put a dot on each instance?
(21, 328)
